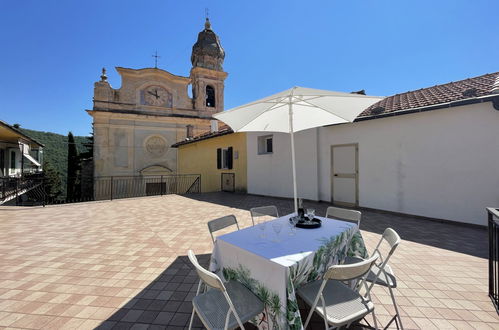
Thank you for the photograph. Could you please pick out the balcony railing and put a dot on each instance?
(493, 224)
(11, 188)
(114, 187)
(35, 190)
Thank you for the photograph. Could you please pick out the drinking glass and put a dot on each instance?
(292, 225)
(277, 229)
(261, 226)
(310, 214)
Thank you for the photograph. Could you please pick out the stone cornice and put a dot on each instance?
(209, 73)
(145, 72)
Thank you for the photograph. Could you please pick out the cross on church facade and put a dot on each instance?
(156, 59)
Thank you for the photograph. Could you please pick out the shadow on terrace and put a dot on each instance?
(456, 237)
(165, 303)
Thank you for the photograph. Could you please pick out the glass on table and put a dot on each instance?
(261, 225)
(277, 226)
(310, 214)
(292, 225)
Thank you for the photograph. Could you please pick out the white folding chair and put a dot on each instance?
(339, 304)
(223, 306)
(344, 214)
(261, 211)
(386, 276)
(221, 223)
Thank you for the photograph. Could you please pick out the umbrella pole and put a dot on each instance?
(295, 194)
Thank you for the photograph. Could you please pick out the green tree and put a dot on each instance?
(73, 182)
(53, 184)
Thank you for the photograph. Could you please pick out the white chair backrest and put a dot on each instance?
(214, 281)
(350, 271)
(221, 223)
(393, 240)
(344, 214)
(270, 210)
(206, 276)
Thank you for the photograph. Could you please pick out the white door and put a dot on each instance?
(344, 174)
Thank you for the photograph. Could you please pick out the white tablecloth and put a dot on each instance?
(273, 270)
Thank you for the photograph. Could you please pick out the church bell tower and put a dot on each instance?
(207, 73)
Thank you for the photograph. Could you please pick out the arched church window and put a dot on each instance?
(210, 96)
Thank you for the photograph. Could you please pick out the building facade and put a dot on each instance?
(432, 152)
(219, 157)
(135, 125)
(19, 154)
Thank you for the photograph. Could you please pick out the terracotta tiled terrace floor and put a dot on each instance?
(121, 264)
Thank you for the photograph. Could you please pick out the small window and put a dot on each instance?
(224, 158)
(265, 144)
(12, 160)
(210, 96)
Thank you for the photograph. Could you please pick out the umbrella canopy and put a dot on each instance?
(294, 110)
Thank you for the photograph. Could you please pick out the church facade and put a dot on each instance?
(135, 125)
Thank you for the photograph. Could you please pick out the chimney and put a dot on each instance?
(213, 126)
(190, 131)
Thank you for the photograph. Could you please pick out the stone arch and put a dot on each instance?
(210, 96)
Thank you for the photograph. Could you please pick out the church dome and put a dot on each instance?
(207, 52)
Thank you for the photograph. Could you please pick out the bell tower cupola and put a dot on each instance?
(207, 73)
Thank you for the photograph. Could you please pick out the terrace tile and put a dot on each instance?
(122, 264)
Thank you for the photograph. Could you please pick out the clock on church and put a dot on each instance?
(156, 96)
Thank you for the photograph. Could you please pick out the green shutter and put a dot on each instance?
(229, 158)
(219, 158)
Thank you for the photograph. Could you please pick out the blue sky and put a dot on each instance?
(52, 51)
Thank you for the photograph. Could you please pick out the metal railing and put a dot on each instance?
(493, 225)
(11, 188)
(32, 190)
(114, 187)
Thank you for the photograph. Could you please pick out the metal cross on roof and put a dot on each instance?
(156, 59)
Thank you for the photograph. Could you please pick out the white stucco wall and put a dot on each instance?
(442, 164)
(271, 174)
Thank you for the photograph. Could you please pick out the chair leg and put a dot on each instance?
(373, 312)
(397, 315)
(308, 319)
(192, 319)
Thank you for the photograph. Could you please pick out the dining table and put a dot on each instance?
(274, 258)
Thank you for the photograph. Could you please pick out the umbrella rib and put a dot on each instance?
(261, 113)
(316, 106)
(276, 99)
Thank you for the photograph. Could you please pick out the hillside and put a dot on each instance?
(56, 148)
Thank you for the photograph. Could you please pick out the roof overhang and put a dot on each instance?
(9, 133)
(494, 98)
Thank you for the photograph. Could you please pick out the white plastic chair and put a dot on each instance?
(221, 223)
(339, 304)
(381, 273)
(261, 211)
(344, 214)
(223, 306)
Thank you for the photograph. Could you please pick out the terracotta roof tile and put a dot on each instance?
(453, 91)
(222, 130)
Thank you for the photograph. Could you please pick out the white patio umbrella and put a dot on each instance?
(295, 110)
